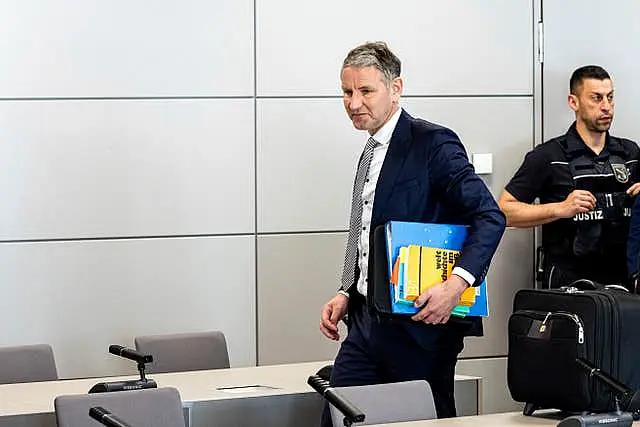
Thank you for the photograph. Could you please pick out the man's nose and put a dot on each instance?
(355, 102)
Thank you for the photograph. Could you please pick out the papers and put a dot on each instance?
(246, 389)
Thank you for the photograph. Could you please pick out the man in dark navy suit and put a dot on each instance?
(410, 170)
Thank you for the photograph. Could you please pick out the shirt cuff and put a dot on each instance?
(345, 293)
(464, 274)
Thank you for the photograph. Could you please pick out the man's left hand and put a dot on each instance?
(634, 189)
(440, 300)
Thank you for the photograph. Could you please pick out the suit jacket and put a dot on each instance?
(426, 177)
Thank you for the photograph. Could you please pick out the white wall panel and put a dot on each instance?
(306, 168)
(116, 48)
(123, 168)
(297, 275)
(452, 47)
(307, 157)
(82, 296)
(313, 265)
(569, 45)
(494, 396)
(500, 126)
(511, 270)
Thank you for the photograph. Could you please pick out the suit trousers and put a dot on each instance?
(384, 349)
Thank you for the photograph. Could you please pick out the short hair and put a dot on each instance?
(374, 54)
(586, 72)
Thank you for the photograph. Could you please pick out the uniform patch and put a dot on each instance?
(589, 216)
(621, 172)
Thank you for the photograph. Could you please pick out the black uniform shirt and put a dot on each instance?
(545, 175)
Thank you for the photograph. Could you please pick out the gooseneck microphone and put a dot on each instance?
(352, 414)
(607, 419)
(106, 418)
(130, 354)
(629, 399)
(623, 395)
(142, 383)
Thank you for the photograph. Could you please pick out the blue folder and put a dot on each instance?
(444, 236)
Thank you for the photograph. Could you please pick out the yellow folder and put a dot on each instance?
(436, 266)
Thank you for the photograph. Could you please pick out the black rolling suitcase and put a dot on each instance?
(550, 329)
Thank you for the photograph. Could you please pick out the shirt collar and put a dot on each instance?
(383, 136)
(576, 144)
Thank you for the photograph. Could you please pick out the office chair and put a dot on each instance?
(27, 363)
(389, 403)
(184, 352)
(158, 407)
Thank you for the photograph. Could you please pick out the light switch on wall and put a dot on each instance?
(482, 162)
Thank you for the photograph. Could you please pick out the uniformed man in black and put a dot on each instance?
(585, 182)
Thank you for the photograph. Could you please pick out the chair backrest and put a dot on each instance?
(389, 403)
(184, 352)
(27, 363)
(154, 407)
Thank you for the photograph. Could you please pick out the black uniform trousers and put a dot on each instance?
(382, 350)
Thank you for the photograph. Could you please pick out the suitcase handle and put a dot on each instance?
(590, 285)
(617, 288)
(584, 285)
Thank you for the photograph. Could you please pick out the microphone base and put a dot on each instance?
(108, 387)
(608, 419)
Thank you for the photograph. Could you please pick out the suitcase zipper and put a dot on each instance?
(571, 316)
(574, 317)
(614, 368)
(546, 318)
(543, 326)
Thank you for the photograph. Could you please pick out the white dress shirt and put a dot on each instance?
(382, 137)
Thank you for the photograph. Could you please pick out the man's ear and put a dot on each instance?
(573, 101)
(396, 89)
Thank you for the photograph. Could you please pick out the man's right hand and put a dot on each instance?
(332, 313)
(578, 201)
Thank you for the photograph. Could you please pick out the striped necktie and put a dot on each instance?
(355, 224)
